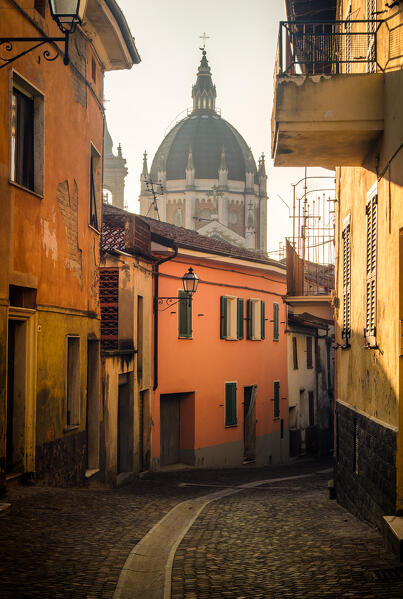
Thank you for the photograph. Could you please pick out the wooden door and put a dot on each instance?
(249, 422)
(170, 429)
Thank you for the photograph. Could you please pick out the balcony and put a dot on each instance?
(328, 98)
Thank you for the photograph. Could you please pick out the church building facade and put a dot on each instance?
(209, 177)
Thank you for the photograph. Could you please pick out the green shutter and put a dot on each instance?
(276, 399)
(249, 319)
(239, 320)
(230, 404)
(223, 317)
(262, 320)
(275, 321)
(184, 315)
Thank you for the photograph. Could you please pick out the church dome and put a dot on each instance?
(206, 135)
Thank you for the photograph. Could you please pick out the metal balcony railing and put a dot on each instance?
(314, 47)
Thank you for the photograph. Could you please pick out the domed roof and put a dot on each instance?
(205, 134)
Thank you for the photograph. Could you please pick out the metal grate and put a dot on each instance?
(113, 233)
(322, 47)
(109, 300)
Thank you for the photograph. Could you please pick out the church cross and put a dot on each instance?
(204, 37)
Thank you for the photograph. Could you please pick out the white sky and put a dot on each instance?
(142, 103)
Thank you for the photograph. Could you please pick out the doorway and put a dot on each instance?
(93, 393)
(249, 423)
(125, 458)
(170, 429)
(15, 447)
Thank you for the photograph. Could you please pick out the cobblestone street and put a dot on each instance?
(278, 539)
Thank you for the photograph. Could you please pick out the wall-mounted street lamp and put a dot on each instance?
(67, 14)
(190, 282)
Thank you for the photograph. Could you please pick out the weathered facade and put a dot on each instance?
(342, 107)
(126, 289)
(220, 395)
(51, 138)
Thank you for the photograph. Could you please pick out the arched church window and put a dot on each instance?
(233, 218)
(204, 102)
(107, 196)
(178, 217)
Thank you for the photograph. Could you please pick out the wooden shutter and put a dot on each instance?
(275, 322)
(184, 315)
(223, 317)
(309, 362)
(230, 404)
(276, 399)
(295, 353)
(239, 319)
(249, 311)
(371, 282)
(346, 236)
(262, 319)
(93, 197)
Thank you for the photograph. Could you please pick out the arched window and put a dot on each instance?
(107, 196)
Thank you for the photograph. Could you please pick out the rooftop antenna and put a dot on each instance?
(156, 189)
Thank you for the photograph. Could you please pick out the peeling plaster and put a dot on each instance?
(49, 241)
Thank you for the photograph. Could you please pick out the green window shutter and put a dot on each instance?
(239, 320)
(184, 315)
(262, 319)
(275, 322)
(223, 317)
(249, 322)
(230, 404)
(276, 399)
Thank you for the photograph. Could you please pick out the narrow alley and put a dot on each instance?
(279, 537)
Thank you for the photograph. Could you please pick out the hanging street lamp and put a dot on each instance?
(67, 14)
(190, 282)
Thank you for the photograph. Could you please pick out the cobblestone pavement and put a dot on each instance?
(263, 542)
(283, 540)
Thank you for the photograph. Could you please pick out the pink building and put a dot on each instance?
(220, 394)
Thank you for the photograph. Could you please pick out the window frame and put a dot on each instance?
(234, 410)
(23, 87)
(95, 191)
(256, 319)
(185, 304)
(231, 318)
(73, 385)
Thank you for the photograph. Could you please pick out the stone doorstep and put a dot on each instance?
(393, 534)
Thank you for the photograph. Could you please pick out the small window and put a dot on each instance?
(309, 361)
(276, 315)
(230, 404)
(26, 151)
(40, 6)
(184, 315)
(295, 353)
(311, 409)
(276, 399)
(95, 189)
(231, 318)
(73, 381)
(256, 319)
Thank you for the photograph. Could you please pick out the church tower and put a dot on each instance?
(209, 176)
(114, 171)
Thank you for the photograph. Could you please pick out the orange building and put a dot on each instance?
(51, 137)
(220, 362)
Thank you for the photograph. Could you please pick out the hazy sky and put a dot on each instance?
(143, 102)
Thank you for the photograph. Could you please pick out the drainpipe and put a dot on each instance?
(156, 274)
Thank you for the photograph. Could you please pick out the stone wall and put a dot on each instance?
(365, 477)
(62, 463)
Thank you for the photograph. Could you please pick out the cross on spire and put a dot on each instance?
(204, 37)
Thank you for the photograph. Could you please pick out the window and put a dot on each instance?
(276, 399)
(295, 353)
(276, 314)
(346, 237)
(231, 318)
(371, 282)
(184, 315)
(95, 188)
(73, 381)
(309, 361)
(26, 151)
(311, 409)
(40, 6)
(93, 70)
(140, 328)
(230, 404)
(256, 319)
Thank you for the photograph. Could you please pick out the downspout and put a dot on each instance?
(156, 289)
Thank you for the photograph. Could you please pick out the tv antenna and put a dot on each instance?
(156, 189)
